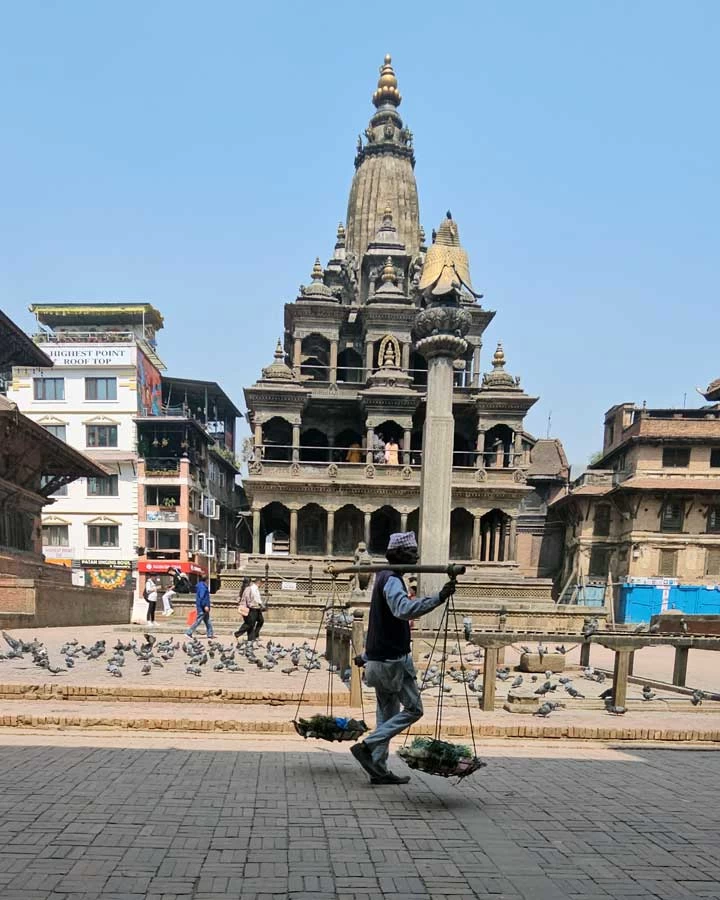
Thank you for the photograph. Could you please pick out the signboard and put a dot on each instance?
(161, 566)
(288, 586)
(104, 563)
(102, 355)
(653, 582)
(149, 395)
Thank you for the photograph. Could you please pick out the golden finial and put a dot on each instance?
(340, 232)
(498, 359)
(317, 270)
(279, 352)
(387, 89)
(388, 272)
(387, 215)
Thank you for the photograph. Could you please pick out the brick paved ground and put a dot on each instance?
(201, 820)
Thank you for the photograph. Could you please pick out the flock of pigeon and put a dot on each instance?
(152, 653)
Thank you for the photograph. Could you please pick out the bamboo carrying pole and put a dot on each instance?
(452, 570)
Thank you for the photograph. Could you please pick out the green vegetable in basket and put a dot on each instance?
(442, 753)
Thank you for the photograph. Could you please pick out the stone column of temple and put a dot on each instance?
(297, 354)
(367, 529)
(256, 531)
(480, 446)
(405, 357)
(333, 361)
(512, 547)
(476, 538)
(258, 440)
(403, 521)
(330, 532)
(438, 330)
(296, 443)
(517, 449)
(368, 359)
(293, 531)
(370, 437)
(407, 438)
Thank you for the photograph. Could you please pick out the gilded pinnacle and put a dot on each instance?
(387, 89)
(388, 273)
(317, 270)
(498, 359)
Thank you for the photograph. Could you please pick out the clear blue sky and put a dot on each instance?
(199, 156)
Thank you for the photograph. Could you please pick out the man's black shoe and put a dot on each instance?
(390, 778)
(363, 755)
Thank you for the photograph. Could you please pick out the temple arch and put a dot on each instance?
(383, 522)
(349, 529)
(275, 529)
(494, 532)
(350, 366)
(314, 446)
(498, 446)
(312, 530)
(277, 439)
(461, 534)
(315, 358)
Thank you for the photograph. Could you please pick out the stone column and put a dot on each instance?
(367, 529)
(476, 538)
(438, 328)
(333, 361)
(369, 445)
(256, 531)
(407, 439)
(403, 521)
(679, 676)
(296, 443)
(512, 549)
(258, 439)
(476, 368)
(517, 449)
(297, 354)
(368, 359)
(405, 357)
(293, 531)
(480, 447)
(330, 532)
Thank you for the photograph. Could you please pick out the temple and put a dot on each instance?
(338, 413)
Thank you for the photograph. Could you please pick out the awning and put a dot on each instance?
(161, 566)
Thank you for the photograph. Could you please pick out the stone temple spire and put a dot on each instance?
(384, 175)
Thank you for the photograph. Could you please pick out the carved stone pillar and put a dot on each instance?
(476, 538)
(407, 439)
(517, 449)
(368, 516)
(369, 446)
(333, 361)
(297, 354)
(405, 357)
(480, 446)
(512, 548)
(403, 521)
(296, 443)
(258, 440)
(256, 531)
(293, 531)
(368, 359)
(330, 532)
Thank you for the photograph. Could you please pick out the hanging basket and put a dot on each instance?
(440, 758)
(330, 728)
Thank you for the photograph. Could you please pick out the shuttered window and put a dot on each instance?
(668, 563)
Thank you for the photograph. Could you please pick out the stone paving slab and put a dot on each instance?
(130, 817)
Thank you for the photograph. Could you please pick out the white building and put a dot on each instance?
(106, 373)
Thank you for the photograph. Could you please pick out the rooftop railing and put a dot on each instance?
(357, 455)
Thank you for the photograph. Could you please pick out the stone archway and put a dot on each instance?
(461, 534)
(383, 522)
(494, 535)
(349, 530)
(312, 530)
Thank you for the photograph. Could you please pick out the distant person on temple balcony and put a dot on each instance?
(202, 608)
(354, 454)
(391, 453)
(378, 449)
(389, 667)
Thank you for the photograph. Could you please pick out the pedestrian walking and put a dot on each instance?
(389, 667)
(150, 594)
(243, 609)
(254, 620)
(202, 608)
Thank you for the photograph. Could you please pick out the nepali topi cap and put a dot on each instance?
(402, 540)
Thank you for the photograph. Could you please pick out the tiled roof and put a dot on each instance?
(670, 484)
(548, 458)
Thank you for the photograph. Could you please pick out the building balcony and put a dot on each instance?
(161, 514)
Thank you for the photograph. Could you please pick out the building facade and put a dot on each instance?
(338, 414)
(105, 372)
(646, 515)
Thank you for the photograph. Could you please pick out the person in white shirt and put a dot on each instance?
(167, 598)
(150, 594)
(254, 620)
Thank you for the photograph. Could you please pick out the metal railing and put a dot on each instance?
(324, 454)
(90, 337)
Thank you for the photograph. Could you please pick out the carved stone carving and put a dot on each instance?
(442, 320)
(480, 475)
(389, 351)
(406, 473)
(520, 476)
(295, 469)
(369, 471)
(255, 468)
(332, 471)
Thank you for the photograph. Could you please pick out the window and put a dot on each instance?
(103, 487)
(671, 518)
(715, 457)
(101, 388)
(57, 431)
(676, 457)
(712, 562)
(49, 388)
(103, 535)
(162, 540)
(55, 536)
(713, 521)
(599, 562)
(668, 563)
(101, 435)
(601, 523)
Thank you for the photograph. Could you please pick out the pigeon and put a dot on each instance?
(697, 698)
(193, 670)
(654, 628)
(533, 678)
(615, 710)
(517, 682)
(69, 662)
(544, 710)
(543, 689)
(564, 679)
(146, 669)
(156, 662)
(607, 694)
(113, 670)
(574, 692)
(648, 693)
(640, 628)
(541, 649)
(562, 649)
